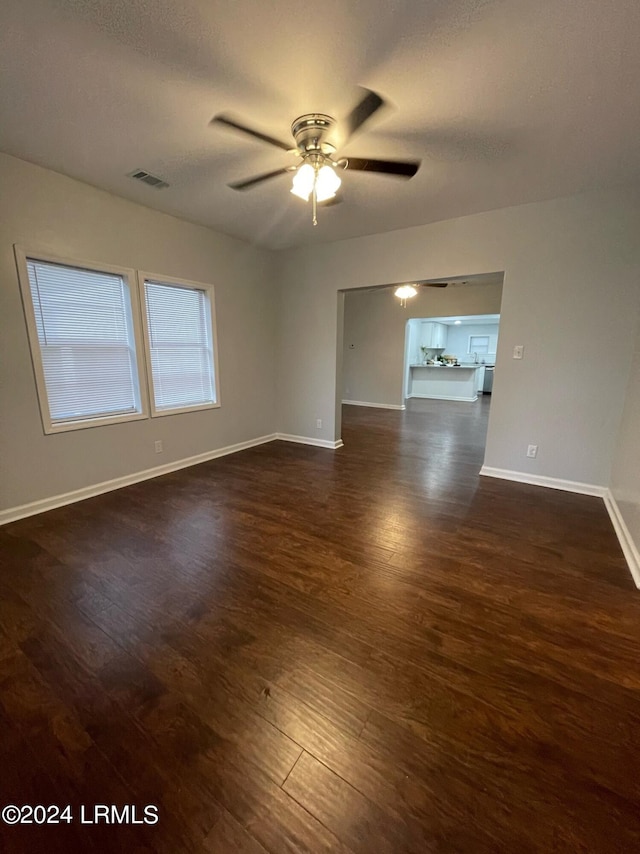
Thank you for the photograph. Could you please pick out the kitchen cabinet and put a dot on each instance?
(433, 335)
(480, 378)
(443, 383)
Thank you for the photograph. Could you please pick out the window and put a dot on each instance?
(83, 342)
(179, 325)
(479, 344)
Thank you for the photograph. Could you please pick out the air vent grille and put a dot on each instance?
(147, 178)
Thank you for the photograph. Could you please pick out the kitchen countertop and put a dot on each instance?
(463, 367)
(444, 382)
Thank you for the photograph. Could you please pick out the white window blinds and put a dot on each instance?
(84, 326)
(180, 346)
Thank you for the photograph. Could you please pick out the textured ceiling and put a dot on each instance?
(505, 102)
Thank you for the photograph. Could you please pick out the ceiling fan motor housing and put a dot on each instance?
(311, 133)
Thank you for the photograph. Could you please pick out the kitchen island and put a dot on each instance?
(443, 383)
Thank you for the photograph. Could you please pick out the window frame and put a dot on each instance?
(23, 255)
(187, 284)
(478, 348)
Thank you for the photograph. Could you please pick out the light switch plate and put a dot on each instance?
(518, 351)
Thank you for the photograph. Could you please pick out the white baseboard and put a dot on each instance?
(375, 405)
(14, 513)
(542, 480)
(629, 548)
(24, 510)
(309, 440)
(444, 397)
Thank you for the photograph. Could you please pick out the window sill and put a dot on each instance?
(67, 426)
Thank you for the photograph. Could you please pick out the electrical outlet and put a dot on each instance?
(158, 446)
(518, 351)
(532, 451)
(319, 423)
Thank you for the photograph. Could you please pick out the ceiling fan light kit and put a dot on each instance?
(303, 182)
(316, 178)
(323, 180)
(405, 292)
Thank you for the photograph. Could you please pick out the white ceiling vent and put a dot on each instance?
(147, 178)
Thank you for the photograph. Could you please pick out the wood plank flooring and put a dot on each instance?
(296, 650)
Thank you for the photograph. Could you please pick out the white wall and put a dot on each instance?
(43, 210)
(571, 271)
(375, 324)
(625, 478)
(458, 341)
(413, 334)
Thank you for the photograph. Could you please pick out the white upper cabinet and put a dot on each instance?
(433, 335)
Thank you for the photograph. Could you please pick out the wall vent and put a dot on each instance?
(147, 178)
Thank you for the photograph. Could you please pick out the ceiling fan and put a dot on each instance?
(316, 175)
(405, 292)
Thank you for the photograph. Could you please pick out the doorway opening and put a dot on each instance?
(467, 342)
(436, 353)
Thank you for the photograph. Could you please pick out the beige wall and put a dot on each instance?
(47, 211)
(570, 296)
(374, 334)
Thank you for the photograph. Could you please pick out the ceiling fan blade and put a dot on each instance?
(362, 112)
(247, 183)
(334, 200)
(400, 168)
(232, 123)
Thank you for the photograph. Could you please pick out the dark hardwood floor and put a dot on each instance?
(297, 650)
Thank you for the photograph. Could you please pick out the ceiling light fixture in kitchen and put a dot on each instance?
(405, 292)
